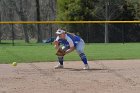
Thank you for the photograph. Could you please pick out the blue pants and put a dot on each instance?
(80, 50)
(80, 47)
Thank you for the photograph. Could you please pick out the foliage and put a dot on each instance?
(75, 9)
(101, 10)
(26, 10)
(89, 9)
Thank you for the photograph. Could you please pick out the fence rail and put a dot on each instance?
(66, 22)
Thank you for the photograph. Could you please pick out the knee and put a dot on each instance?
(82, 55)
(79, 52)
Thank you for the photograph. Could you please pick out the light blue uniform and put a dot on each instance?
(73, 41)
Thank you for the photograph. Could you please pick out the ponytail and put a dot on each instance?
(70, 33)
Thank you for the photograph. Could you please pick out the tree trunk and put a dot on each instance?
(24, 18)
(39, 32)
(106, 24)
(0, 29)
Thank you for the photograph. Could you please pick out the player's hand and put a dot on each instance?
(60, 52)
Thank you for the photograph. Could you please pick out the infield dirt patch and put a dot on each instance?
(105, 76)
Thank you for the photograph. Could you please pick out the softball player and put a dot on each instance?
(72, 42)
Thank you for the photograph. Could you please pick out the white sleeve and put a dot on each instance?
(57, 38)
(70, 41)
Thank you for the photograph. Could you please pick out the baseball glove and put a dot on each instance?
(60, 52)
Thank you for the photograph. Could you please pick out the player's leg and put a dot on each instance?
(60, 60)
(80, 51)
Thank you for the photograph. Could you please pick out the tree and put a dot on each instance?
(26, 10)
(38, 19)
(0, 28)
(95, 10)
(12, 6)
(76, 10)
(0, 20)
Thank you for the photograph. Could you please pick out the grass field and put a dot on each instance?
(46, 52)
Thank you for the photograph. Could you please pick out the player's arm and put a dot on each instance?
(71, 45)
(70, 50)
(56, 43)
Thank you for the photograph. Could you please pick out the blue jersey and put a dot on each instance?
(74, 38)
(71, 40)
(63, 42)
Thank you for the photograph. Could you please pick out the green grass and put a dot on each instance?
(113, 51)
(46, 52)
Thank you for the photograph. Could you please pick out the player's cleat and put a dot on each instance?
(86, 67)
(59, 66)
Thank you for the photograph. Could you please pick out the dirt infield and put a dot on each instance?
(105, 76)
